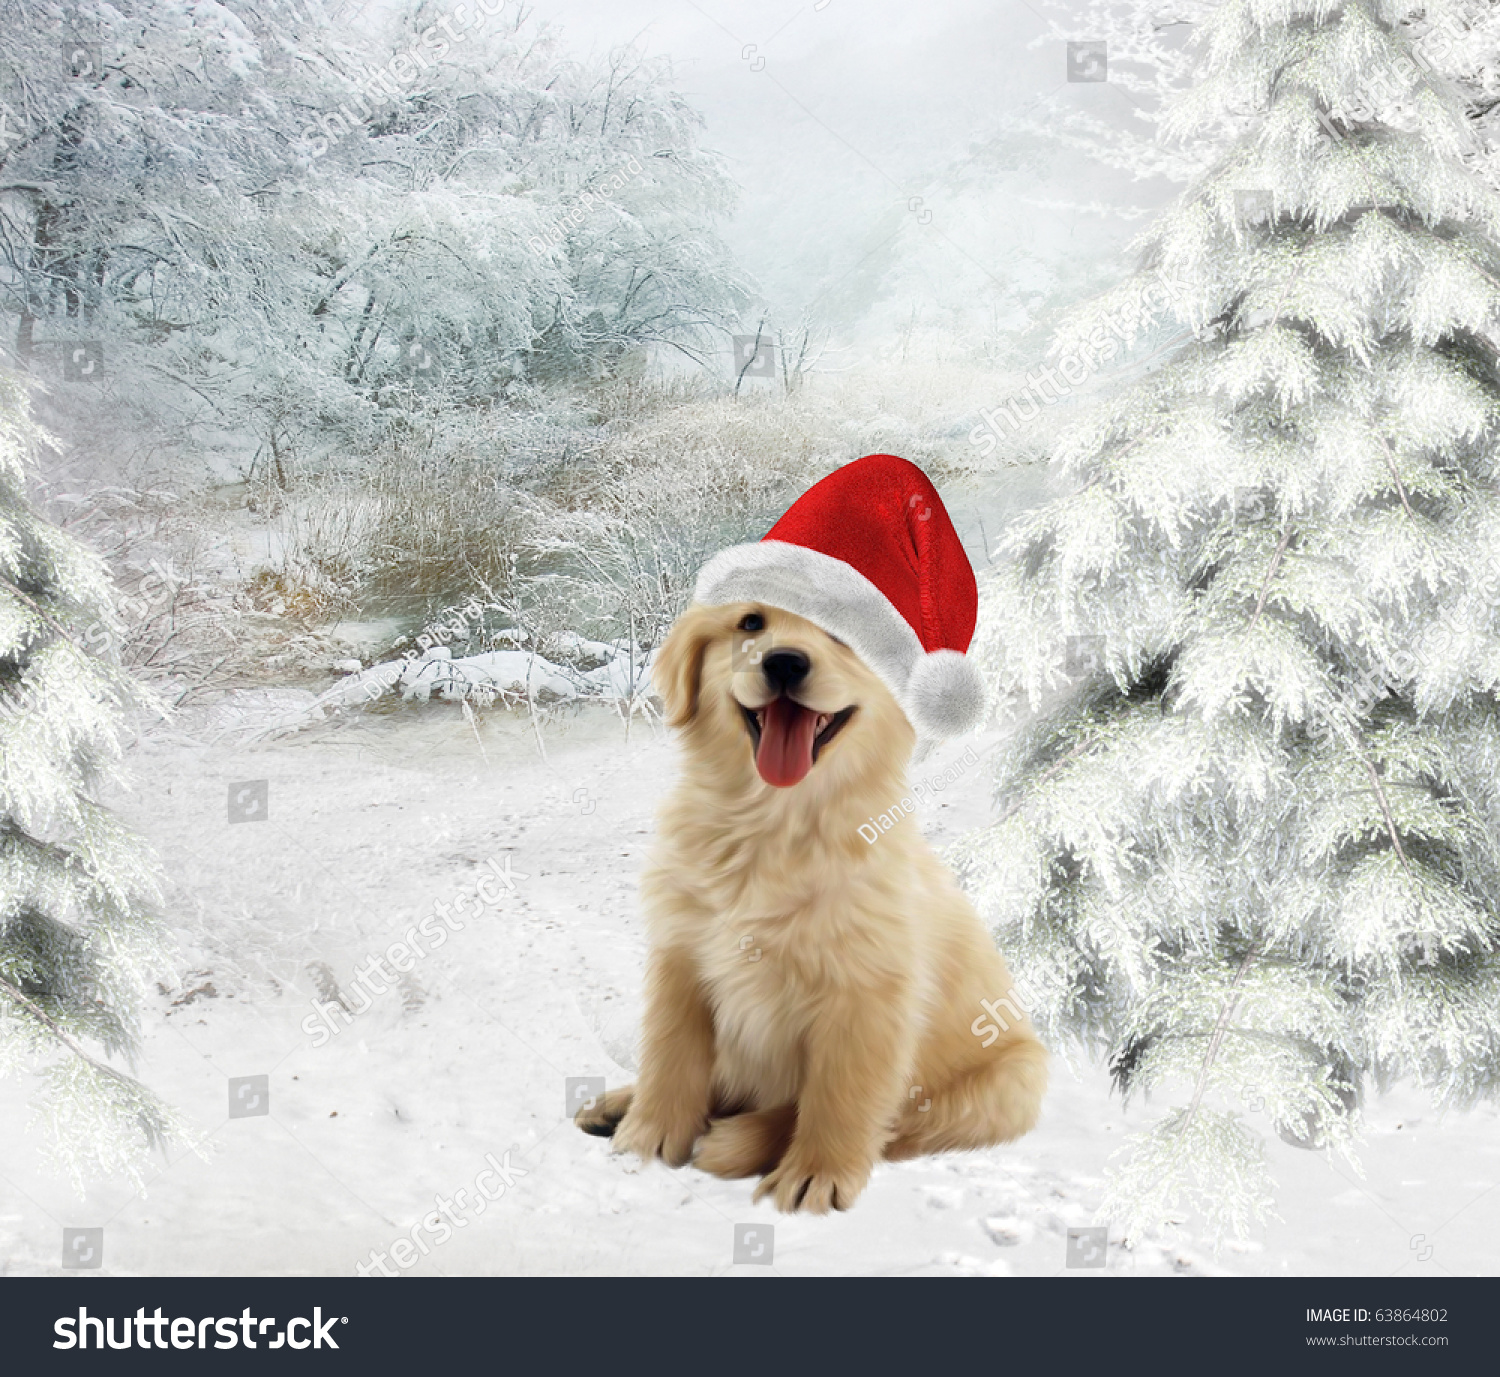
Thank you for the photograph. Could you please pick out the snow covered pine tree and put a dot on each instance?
(78, 938)
(1252, 856)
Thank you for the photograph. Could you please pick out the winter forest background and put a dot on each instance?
(376, 377)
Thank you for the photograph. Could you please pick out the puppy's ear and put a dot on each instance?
(679, 665)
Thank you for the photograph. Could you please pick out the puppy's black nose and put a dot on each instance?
(785, 669)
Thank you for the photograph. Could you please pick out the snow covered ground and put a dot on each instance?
(370, 819)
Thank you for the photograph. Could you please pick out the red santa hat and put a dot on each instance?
(870, 555)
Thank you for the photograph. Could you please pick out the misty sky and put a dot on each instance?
(854, 109)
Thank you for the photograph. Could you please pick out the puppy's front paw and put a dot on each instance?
(668, 1136)
(804, 1181)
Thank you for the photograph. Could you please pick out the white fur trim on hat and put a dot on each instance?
(945, 694)
(942, 693)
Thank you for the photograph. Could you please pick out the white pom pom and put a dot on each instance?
(945, 694)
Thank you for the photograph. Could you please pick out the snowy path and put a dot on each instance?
(373, 819)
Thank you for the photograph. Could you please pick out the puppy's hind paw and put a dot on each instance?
(748, 1144)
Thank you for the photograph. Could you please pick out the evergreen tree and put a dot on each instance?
(1251, 857)
(78, 935)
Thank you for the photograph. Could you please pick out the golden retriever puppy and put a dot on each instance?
(811, 997)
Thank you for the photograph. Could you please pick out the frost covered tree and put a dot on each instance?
(79, 937)
(1151, 59)
(562, 212)
(1251, 855)
(294, 240)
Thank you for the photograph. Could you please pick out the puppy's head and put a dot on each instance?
(757, 686)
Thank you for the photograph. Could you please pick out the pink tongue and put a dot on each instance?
(786, 742)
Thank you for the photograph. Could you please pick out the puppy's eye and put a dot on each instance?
(753, 622)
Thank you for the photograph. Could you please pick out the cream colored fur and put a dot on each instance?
(810, 997)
